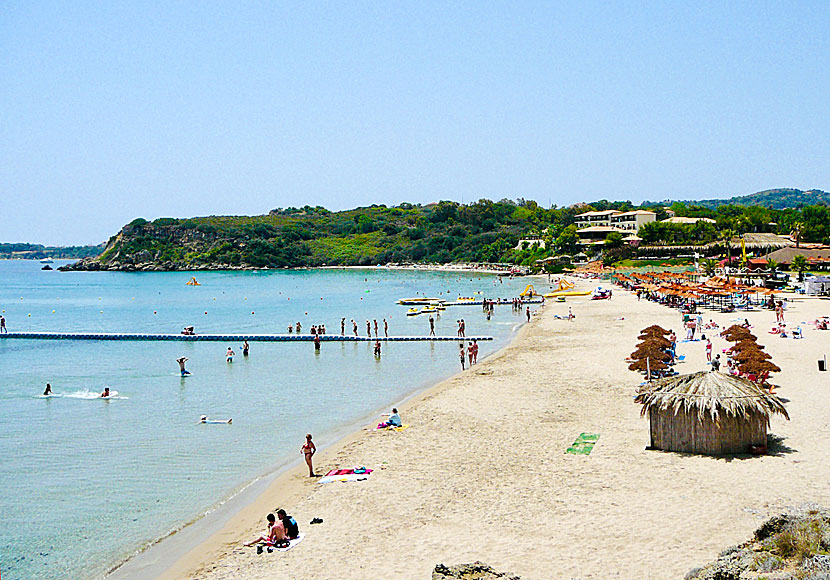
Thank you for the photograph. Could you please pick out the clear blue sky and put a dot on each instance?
(112, 111)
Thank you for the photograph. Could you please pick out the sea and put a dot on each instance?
(85, 482)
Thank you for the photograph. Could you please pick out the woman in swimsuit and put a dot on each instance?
(308, 450)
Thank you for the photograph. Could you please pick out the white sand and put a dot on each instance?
(482, 473)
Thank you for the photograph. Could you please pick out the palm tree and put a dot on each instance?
(710, 266)
(799, 264)
(772, 265)
(796, 232)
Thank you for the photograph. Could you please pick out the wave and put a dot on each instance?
(91, 395)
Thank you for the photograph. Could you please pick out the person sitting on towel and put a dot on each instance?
(292, 530)
(394, 420)
(273, 535)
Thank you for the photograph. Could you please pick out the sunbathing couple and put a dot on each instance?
(279, 533)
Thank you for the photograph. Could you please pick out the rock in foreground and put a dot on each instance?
(474, 571)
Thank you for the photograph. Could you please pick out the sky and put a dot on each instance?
(111, 111)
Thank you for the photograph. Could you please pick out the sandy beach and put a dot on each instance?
(482, 472)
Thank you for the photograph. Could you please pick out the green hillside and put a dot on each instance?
(772, 199)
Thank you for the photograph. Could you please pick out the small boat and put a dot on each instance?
(417, 301)
(466, 299)
(428, 309)
(413, 312)
(47, 261)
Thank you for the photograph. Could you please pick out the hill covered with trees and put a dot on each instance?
(483, 231)
(25, 251)
(783, 198)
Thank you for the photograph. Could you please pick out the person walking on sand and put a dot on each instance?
(354, 327)
(343, 326)
(181, 362)
(375, 324)
(462, 354)
(385, 328)
(431, 325)
(229, 355)
(245, 348)
(708, 350)
(308, 450)
(570, 314)
(3, 324)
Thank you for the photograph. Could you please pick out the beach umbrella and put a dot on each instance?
(646, 364)
(655, 342)
(654, 329)
(758, 367)
(647, 351)
(750, 354)
(746, 345)
(738, 336)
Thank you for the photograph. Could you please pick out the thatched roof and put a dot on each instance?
(746, 345)
(750, 354)
(712, 393)
(647, 364)
(646, 351)
(654, 341)
(655, 329)
(758, 367)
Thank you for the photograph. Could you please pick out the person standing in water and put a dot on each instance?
(431, 325)
(377, 348)
(528, 313)
(368, 328)
(375, 324)
(3, 324)
(229, 355)
(462, 354)
(245, 348)
(181, 362)
(385, 328)
(470, 353)
(309, 449)
(475, 352)
(316, 343)
(48, 390)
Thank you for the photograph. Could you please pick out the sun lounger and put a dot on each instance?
(584, 444)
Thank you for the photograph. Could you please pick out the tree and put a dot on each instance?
(772, 265)
(797, 232)
(799, 264)
(568, 240)
(614, 240)
(710, 266)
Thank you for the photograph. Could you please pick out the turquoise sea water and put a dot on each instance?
(85, 482)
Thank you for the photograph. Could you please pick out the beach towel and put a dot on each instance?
(344, 475)
(403, 427)
(584, 444)
(291, 544)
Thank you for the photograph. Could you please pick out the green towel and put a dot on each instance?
(584, 444)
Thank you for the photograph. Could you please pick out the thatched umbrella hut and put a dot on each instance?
(708, 413)
(750, 354)
(645, 351)
(758, 367)
(655, 329)
(654, 342)
(646, 365)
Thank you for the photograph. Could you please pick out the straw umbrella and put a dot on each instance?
(646, 364)
(646, 351)
(750, 354)
(746, 345)
(710, 413)
(655, 342)
(655, 329)
(758, 367)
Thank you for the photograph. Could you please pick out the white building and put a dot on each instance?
(594, 226)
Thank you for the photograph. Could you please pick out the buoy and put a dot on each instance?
(252, 311)
(154, 312)
(29, 314)
(102, 312)
(205, 311)
(53, 312)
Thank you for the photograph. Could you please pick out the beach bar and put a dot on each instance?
(708, 413)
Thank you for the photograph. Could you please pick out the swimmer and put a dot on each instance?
(48, 390)
(229, 355)
(181, 362)
(106, 393)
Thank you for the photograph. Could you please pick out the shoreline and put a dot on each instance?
(482, 473)
(170, 555)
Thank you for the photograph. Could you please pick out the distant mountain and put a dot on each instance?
(771, 198)
(24, 251)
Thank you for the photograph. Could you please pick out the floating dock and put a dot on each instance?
(229, 337)
(481, 302)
